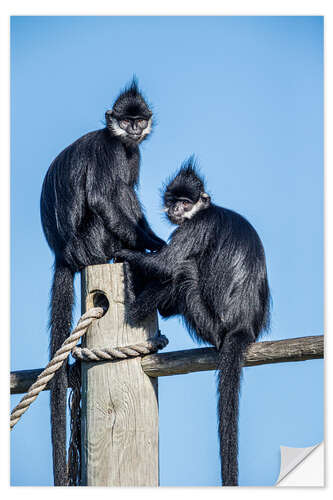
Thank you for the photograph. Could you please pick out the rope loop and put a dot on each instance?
(59, 358)
(152, 344)
(69, 346)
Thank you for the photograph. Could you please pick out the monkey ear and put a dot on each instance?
(205, 198)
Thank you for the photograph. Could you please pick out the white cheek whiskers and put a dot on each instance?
(147, 130)
(118, 131)
(200, 205)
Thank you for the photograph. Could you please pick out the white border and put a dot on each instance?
(142, 7)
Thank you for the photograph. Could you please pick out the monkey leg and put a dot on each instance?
(89, 246)
(199, 316)
(154, 295)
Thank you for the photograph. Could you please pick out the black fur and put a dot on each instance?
(89, 211)
(213, 273)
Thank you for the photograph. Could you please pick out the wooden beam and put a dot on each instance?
(191, 360)
(119, 401)
(21, 380)
(261, 353)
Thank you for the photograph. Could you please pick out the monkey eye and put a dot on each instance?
(186, 203)
(142, 123)
(124, 123)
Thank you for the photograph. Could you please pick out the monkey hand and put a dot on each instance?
(126, 255)
(156, 245)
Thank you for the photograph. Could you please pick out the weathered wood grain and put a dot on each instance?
(119, 401)
(21, 380)
(195, 360)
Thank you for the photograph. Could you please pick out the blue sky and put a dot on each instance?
(245, 95)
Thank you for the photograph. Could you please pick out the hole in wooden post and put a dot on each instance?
(101, 300)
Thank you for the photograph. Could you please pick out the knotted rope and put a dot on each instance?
(69, 346)
(152, 344)
(84, 354)
(59, 358)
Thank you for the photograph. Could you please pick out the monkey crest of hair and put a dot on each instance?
(89, 211)
(212, 273)
(131, 102)
(130, 118)
(186, 183)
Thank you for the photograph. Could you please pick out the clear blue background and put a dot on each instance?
(245, 94)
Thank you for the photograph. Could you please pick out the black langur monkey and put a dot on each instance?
(213, 273)
(89, 211)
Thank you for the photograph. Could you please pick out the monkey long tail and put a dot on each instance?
(229, 376)
(62, 298)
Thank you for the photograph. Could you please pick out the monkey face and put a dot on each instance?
(130, 118)
(136, 128)
(184, 195)
(179, 210)
(129, 129)
(183, 208)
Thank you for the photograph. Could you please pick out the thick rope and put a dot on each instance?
(59, 358)
(152, 344)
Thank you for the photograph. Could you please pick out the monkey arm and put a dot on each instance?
(120, 211)
(183, 246)
(177, 261)
(154, 295)
(185, 293)
(145, 226)
(152, 264)
(130, 207)
(129, 231)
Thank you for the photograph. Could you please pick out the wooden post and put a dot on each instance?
(119, 401)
